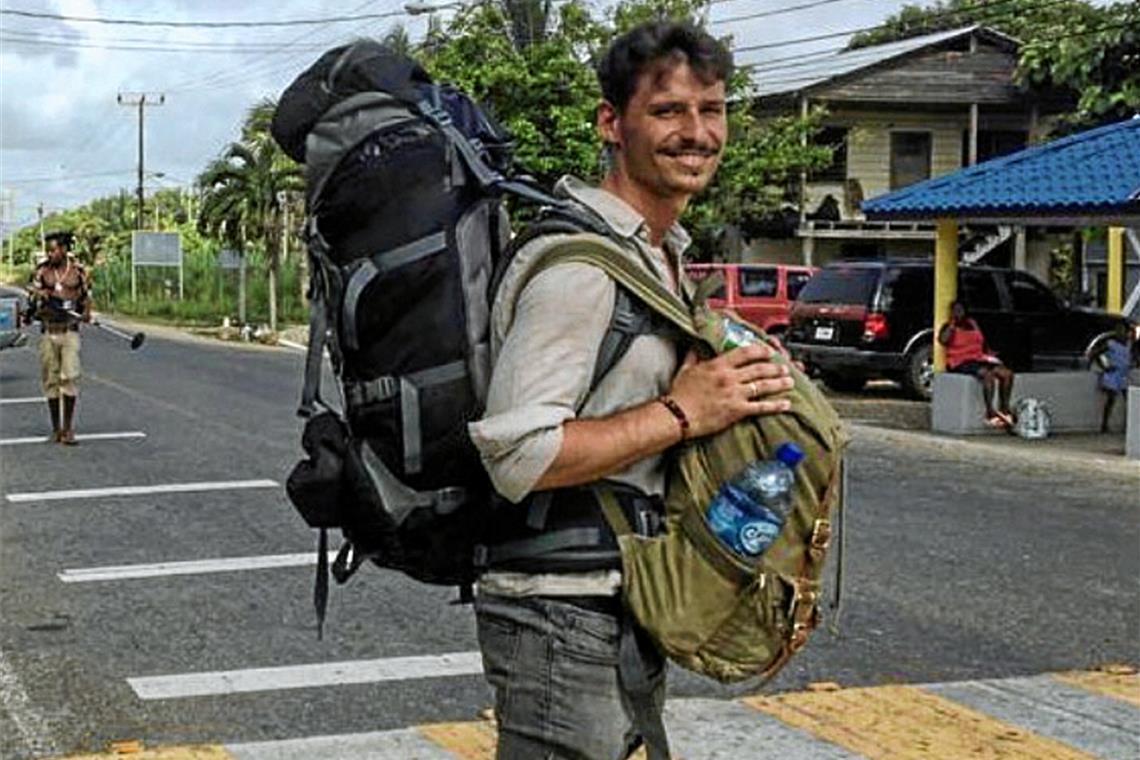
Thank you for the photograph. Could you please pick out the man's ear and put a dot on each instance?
(609, 123)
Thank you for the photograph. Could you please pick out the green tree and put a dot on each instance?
(1091, 50)
(243, 192)
(542, 87)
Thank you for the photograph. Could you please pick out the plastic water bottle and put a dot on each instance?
(747, 512)
(736, 335)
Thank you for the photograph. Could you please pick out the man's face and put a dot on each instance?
(55, 251)
(670, 136)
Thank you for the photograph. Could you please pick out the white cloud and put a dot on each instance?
(58, 112)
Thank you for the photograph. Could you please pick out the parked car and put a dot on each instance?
(857, 321)
(10, 334)
(759, 293)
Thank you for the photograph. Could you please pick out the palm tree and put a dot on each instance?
(241, 201)
(528, 20)
(243, 192)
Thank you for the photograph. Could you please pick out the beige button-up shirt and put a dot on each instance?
(544, 342)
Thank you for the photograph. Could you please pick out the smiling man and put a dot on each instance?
(571, 679)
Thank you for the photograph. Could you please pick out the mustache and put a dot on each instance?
(691, 148)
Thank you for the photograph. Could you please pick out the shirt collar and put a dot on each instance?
(619, 215)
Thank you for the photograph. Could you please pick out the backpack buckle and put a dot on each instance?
(437, 114)
(821, 534)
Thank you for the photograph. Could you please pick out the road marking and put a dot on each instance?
(903, 722)
(707, 728)
(98, 493)
(1124, 686)
(398, 744)
(189, 567)
(306, 676)
(1097, 724)
(467, 740)
(292, 345)
(907, 722)
(79, 437)
(185, 752)
(25, 400)
(33, 730)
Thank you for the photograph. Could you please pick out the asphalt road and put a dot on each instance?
(957, 567)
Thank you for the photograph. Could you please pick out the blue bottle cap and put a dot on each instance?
(790, 454)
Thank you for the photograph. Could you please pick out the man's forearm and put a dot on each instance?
(595, 448)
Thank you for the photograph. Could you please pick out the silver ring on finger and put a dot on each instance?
(753, 391)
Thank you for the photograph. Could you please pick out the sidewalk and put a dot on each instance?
(882, 414)
(1061, 716)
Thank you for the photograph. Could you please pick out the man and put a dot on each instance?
(550, 627)
(967, 354)
(60, 288)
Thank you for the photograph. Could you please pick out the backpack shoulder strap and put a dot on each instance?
(595, 250)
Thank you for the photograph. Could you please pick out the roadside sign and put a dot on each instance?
(228, 258)
(158, 249)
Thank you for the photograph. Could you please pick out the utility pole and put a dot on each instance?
(140, 100)
(43, 241)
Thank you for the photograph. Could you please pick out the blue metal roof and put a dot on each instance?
(1096, 171)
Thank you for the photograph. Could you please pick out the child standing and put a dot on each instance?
(1115, 361)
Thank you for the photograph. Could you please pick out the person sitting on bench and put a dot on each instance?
(967, 354)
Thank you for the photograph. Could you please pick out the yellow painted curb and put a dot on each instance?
(907, 723)
(1124, 686)
(186, 752)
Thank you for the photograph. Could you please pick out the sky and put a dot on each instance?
(64, 138)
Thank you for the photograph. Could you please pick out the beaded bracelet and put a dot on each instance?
(676, 410)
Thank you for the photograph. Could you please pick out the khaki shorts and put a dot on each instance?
(59, 363)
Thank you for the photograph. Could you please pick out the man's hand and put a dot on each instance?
(715, 393)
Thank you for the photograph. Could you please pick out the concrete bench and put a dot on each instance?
(1074, 401)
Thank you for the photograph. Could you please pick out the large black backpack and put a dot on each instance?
(406, 230)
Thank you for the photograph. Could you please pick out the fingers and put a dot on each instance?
(762, 371)
(770, 406)
(756, 352)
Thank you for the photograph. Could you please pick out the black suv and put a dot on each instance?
(855, 321)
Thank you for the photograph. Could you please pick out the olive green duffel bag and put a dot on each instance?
(705, 607)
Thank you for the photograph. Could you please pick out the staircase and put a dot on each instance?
(976, 249)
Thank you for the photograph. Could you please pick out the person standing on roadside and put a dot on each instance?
(551, 627)
(62, 299)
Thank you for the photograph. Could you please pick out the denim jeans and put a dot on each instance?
(554, 669)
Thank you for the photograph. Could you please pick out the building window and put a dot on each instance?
(993, 143)
(910, 158)
(836, 139)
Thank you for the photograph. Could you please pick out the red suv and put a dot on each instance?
(760, 293)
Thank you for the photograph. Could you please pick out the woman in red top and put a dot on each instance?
(967, 354)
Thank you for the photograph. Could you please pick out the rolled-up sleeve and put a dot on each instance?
(542, 373)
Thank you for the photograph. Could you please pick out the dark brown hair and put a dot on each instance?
(633, 53)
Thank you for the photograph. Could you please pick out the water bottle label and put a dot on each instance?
(755, 537)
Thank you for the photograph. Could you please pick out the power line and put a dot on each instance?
(91, 175)
(983, 16)
(171, 49)
(816, 77)
(200, 24)
(775, 11)
(826, 56)
(251, 70)
(122, 43)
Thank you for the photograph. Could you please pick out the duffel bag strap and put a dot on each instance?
(803, 611)
(612, 510)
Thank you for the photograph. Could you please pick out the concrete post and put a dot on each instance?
(1113, 301)
(945, 281)
(1019, 262)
